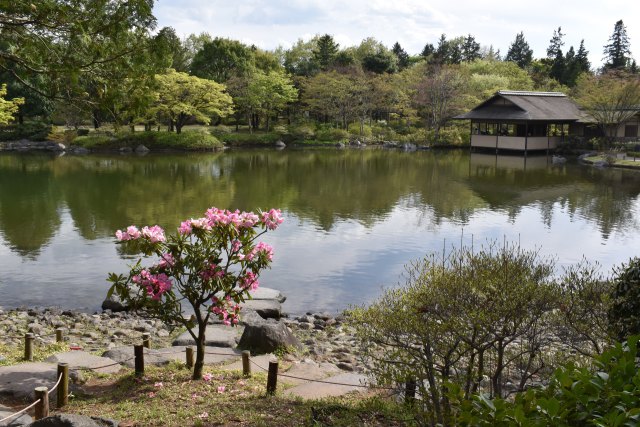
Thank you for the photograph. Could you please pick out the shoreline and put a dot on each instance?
(324, 337)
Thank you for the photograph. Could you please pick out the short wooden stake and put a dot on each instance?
(62, 396)
(42, 407)
(189, 357)
(145, 340)
(272, 378)
(410, 392)
(59, 337)
(28, 346)
(138, 352)
(246, 365)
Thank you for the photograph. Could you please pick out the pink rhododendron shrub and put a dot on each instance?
(208, 267)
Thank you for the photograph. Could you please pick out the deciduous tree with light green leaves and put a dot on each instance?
(8, 107)
(267, 94)
(182, 97)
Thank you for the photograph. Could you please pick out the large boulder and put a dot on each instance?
(266, 308)
(267, 336)
(73, 420)
(114, 304)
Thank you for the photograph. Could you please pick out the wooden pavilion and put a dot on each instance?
(522, 121)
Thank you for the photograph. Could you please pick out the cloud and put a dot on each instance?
(413, 23)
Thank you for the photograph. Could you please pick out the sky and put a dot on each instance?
(412, 23)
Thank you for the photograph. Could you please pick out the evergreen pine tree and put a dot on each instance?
(402, 55)
(470, 49)
(428, 50)
(582, 59)
(520, 52)
(325, 51)
(442, 53)
(617, 51)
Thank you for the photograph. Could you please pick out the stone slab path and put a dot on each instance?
(20, 380)
(216, 336)
(84, 360)
(316, 390)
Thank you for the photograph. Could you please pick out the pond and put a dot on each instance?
(353, 218)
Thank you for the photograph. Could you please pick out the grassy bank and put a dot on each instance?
(166, 396)
(628, 163)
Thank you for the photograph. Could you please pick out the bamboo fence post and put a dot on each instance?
(138, 352)
(145, 340)
(28, 346)
(59, 337)
(189, 357)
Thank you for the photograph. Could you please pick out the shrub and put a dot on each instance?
(457, 321)
(302, 132)
(365, 132)
(34, 131)
(608, 394)
(94, 141)
(624, 315)
(332, 134)
(187, 140)
(237, 139)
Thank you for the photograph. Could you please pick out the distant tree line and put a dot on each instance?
(112, 65)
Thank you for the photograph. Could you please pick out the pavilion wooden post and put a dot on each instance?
(526, 138)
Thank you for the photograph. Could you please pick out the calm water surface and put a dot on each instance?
(353, 218)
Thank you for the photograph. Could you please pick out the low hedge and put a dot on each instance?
(237, 139)
(34, 131)
(163, 140)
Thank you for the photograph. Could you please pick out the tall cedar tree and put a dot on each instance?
(520, 52)
(402, 55)
(617, 51)
(325, 51)
(555, 57)
(428, 49)
(470, 49)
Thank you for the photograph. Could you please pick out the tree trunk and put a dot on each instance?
(96, 119)
(198, 366)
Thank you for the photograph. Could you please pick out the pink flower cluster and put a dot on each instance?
(272, 219)
(212, 271)
(260, 249)
(220, 217)
(249, 281)
(156, 284)
(166, 261)
(153, 234)
(225, 311)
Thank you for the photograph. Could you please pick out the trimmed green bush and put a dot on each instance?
(236, 139)
(188, 140)
(34, 131)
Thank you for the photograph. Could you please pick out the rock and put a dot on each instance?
(250, 317)
(408, 147)
(73, 420)
(141, 149)
(267, 337)
(600, 164)
(267, 309)
(79, 150)
(20, 420)
(114, 304)
(20, 380)
(340, 145)
(216, 336)
(558, 160)
(125, 150)
(280, 144)
(267, 293)
(82, 359)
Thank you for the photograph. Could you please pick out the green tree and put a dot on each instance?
(616, 53)
(300, 60)
(401, 55)
(66, 41)
(182, 97)
(555, 57)
(519, 51)
(610, 99)
(428, 50)
(220, 59)
(168, 41)
(470, 49)
(325, 51)
(8, 107)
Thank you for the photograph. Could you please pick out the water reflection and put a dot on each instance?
(354, 216)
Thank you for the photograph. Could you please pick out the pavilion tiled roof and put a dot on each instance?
(526, 106)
